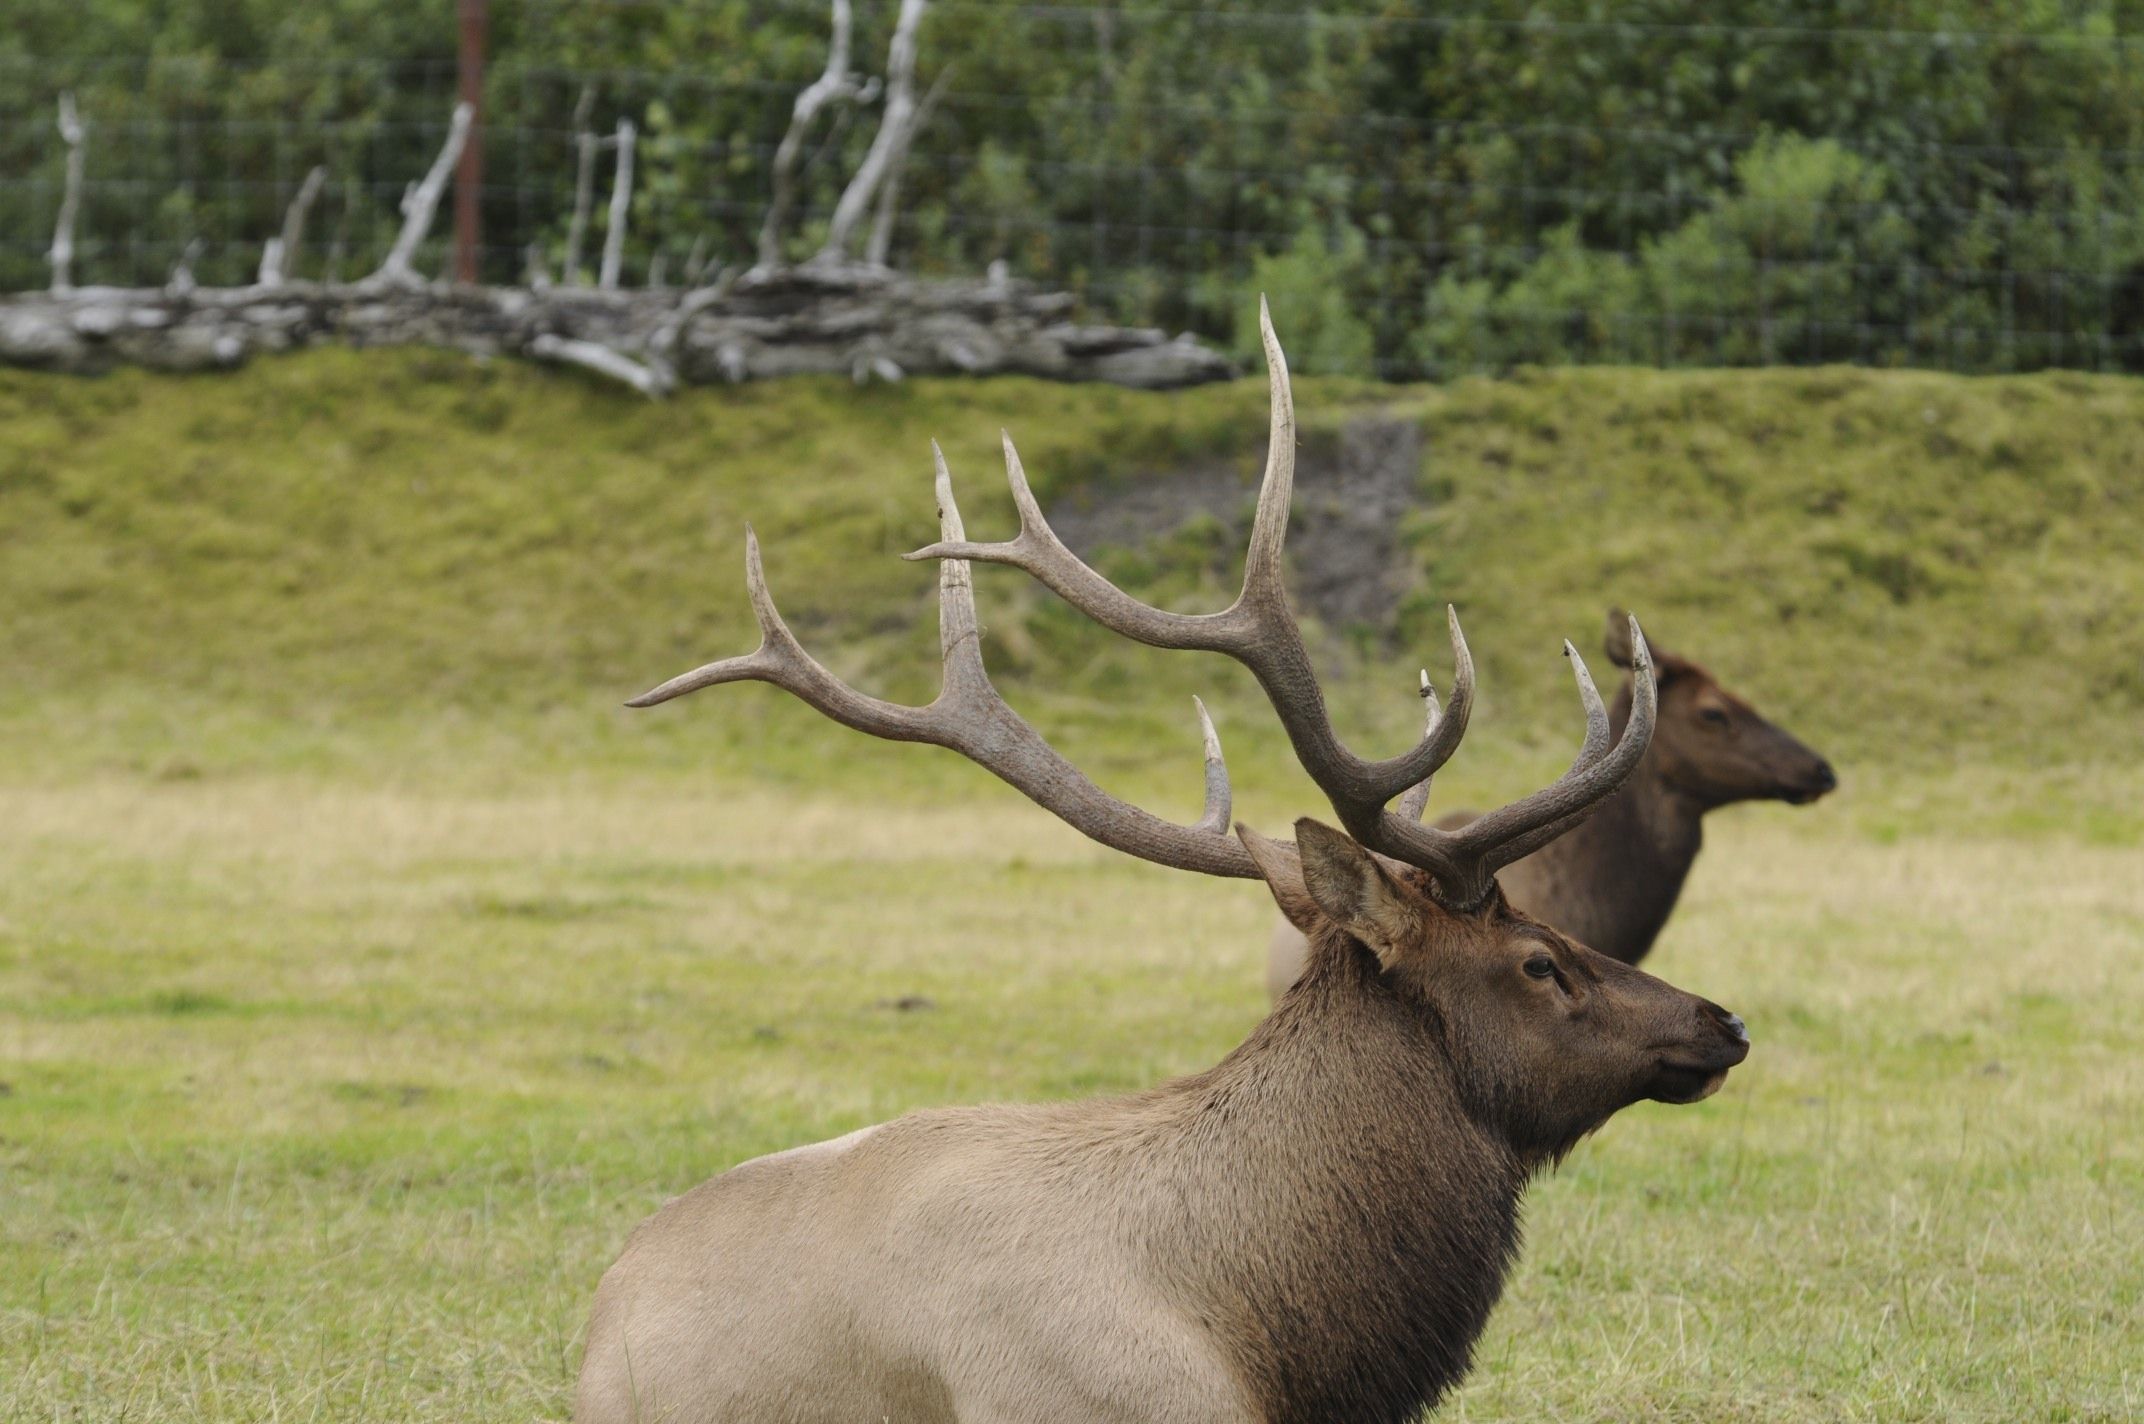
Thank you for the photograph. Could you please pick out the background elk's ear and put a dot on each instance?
(1665, 664)
(1354, 891)
(1618, 640)
(1283, 874)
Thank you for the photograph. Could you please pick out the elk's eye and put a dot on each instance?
(1714, 715)
(1541, 967)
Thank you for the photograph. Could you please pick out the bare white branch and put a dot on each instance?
(891, 140)
(662, 342)
(422, 201)
(836, 86)
(584, 183)
(880, 244)
(62, 254)
(281, 253)
(865, 367)
(654, 382)
(621, 200)
(181, 281)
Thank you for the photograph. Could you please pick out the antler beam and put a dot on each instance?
(970, 717)
(1259, 631)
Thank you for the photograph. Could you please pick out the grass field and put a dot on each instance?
(329, 1101)
(365, 974)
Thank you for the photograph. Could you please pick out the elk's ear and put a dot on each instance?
(1354, 891)
(1283, 873)
(1618, 640)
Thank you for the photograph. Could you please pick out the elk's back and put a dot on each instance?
(951, 1265)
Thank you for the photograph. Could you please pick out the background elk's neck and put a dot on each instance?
(1350, 1225)
(1612, 881)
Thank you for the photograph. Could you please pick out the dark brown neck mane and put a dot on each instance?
(1337, 1214)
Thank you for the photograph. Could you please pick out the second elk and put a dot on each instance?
(1612, 881)
(1314, 1229)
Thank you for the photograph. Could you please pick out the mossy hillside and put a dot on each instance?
(439, 567)
(1918, 568)
(266, 565)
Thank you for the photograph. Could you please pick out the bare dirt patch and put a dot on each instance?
(1354, 488)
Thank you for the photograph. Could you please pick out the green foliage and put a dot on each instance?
(1783, 243)
(1315, 291)
(1758, 274)
(1795, 183)
(1573, 304)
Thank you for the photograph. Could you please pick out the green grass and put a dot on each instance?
(342, 559)
(334, 1102)
(366, 972)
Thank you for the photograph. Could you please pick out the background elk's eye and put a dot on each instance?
(1541, 967)
(1714, 715)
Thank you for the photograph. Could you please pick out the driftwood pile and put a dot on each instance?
(863, 323)
(833, 314)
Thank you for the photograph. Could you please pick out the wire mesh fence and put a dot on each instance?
(1422, 194)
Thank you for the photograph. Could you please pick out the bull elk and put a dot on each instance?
(1612, 882)
(1315, 1229)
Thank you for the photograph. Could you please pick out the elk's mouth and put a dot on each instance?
(1819, 783)
(1685, 1083)
(1693, 1079)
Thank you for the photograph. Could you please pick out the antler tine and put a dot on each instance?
(1597, 737)
(781, 660)
(1523, 827)
(968, 716)
(1039, 551)
(1644, 715)
(1589, 696)
(1262, 583)
(960, 638)
(1256, 630)
(1217, 789)
(1416, 799)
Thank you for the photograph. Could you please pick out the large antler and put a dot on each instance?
(968, 716)
(1258, 631)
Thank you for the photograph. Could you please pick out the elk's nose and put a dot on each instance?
(1729, 1024)
(1825, 779)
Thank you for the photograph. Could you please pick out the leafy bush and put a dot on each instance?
(1313, 289)
(1768, 270)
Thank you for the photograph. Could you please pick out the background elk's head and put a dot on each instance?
(1712, 745)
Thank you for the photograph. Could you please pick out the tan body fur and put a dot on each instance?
(940, 1267)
